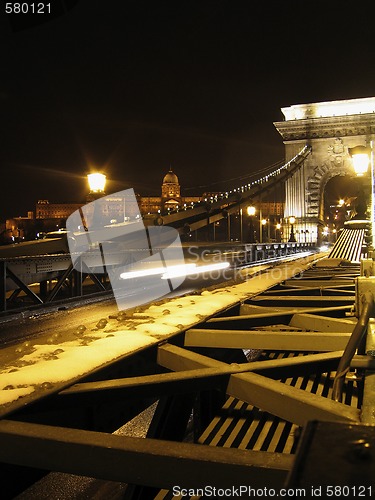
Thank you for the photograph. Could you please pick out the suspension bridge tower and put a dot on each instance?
(330, 128)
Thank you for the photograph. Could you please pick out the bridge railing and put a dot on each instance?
(46, 278)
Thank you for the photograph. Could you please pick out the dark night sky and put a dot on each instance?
(135, 86)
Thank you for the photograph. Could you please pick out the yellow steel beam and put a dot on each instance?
(150, 462)
(322, 323)
(284, 401)
(262, 339)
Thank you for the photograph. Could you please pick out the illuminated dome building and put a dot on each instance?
(170, 191)
(170, 197)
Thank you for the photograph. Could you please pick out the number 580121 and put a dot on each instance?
(28, 8)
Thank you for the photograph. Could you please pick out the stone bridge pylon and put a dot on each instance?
(330, 128)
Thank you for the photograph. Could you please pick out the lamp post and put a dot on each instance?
(362, 157)
(241, 225)
(278, 233)
(292, 238)
(251, 212)
(262, 227)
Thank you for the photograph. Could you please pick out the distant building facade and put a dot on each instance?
(46, 210)
(170, 199)
(272, 208)
(52, 216)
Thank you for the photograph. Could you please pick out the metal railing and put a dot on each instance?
(46, 278)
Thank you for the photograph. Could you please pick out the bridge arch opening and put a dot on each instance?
(340, 197)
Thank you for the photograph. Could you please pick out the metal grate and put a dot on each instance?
(243, 426)
(349, 245)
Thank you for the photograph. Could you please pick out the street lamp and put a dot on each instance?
(362, 157)
(251, 212)
(96, 182)
(292, 238)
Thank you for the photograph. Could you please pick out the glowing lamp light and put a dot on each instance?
(292, 219)
(251, 211)
(360, 164)
(361, 158)
(264, 222)
(96, 182)
(278, 226)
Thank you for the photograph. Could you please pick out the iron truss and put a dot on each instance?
(37, 280)
(244, 398)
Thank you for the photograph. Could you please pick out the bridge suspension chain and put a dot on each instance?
(226, 203)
